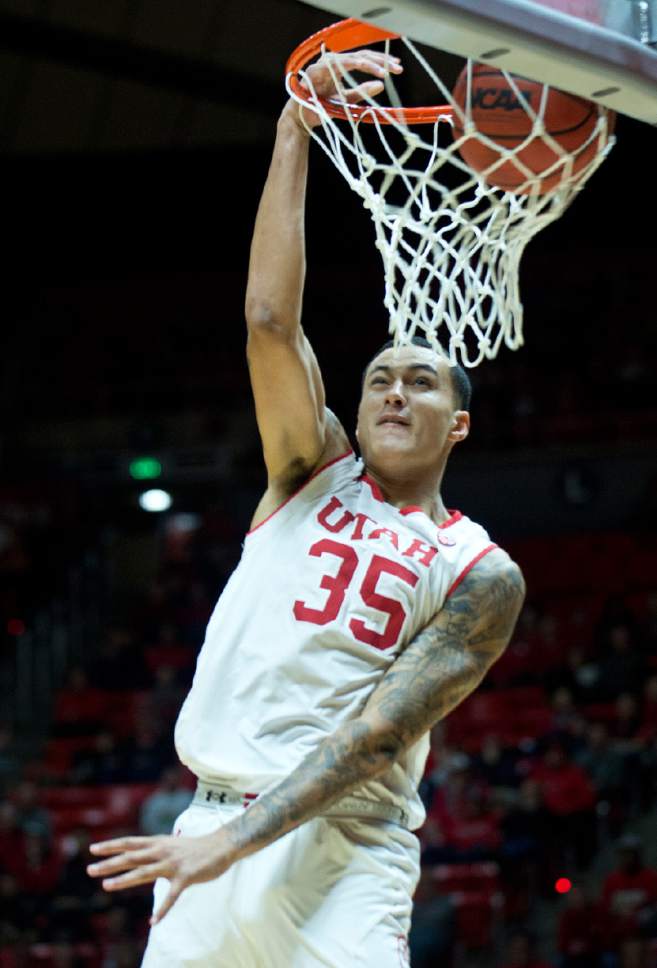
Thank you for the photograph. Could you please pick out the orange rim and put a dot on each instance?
(347, 35)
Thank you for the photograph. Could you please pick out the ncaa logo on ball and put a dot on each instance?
(500, 99)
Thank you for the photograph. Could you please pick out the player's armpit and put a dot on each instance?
(297, 471)
(448, 659)
(289, 400)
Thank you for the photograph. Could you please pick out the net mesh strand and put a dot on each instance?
(451, 242)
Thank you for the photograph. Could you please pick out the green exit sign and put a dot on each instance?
(145, 468)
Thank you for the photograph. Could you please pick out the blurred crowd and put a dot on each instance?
(574, 381)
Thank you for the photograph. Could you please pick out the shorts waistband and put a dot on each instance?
(210, 794)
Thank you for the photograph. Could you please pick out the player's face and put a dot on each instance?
(407, 419)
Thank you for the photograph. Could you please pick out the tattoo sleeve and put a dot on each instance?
(438, 669)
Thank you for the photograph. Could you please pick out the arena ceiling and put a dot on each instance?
(92, 75)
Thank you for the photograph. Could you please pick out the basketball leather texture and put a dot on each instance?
(498, 112)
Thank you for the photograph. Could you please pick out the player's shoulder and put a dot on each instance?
(486, 605)
(495, 577)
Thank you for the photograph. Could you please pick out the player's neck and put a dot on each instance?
(403, 493)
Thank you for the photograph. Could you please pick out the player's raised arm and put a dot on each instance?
(287, 384)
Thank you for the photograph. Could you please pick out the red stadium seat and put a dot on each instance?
(126, 798)
(125, 709)
(115, 805)
(57, 798)
(643, 568)
(476, 915)
(59, 753)
(511, 714)
(85, 954)
(176, 656)
(523, 697)
(66, 819)
(475, 892)
(600, 712)
(483, 877)
(75, 707)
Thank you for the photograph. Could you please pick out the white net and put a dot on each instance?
(450, 239)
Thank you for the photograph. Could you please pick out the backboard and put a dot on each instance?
(605, 50)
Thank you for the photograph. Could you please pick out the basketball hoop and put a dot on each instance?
(450, 238)
(346, 35)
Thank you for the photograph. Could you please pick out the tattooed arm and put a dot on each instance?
(442, 665)
(439, 668)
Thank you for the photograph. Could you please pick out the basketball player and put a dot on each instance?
(361, 612)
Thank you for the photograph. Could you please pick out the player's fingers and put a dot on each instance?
(373, 55)
(122, 862)
(105, 848)
(171, 898)
(143, 875)
(335, 68)
(368, 89)
(364, 61)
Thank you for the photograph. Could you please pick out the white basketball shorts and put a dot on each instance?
(334, 893)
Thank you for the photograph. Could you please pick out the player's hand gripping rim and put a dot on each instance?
(324, 73)
(132, 861)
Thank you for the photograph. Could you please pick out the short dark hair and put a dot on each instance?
(461, 386)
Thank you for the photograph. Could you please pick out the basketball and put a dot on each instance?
(498, 111)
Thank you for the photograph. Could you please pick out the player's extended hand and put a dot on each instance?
(326, 72)
(182, 860)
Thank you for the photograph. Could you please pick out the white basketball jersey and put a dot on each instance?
(329, 590)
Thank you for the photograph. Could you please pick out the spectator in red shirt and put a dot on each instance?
(649, 719)
(78, 708)
(552, 644)
(449, 803)
(497, 767)
(629, 897)
(520, 953)
(602, 762)
(32, 816)
(526, 849)
(433, 931)
(166, 803)
(39, 867)
(623, 667)
(649, 624)
(569, 797)
(103, 763)
(647, 767)
(16, 910)
(10, 763)
(580, 932)
(474, 834)
(626, 723)
(566, 718)
(11, 836)
(165, 698)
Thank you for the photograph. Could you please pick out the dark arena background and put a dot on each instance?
(135, 141)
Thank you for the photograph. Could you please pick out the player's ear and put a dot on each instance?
(460, 427)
